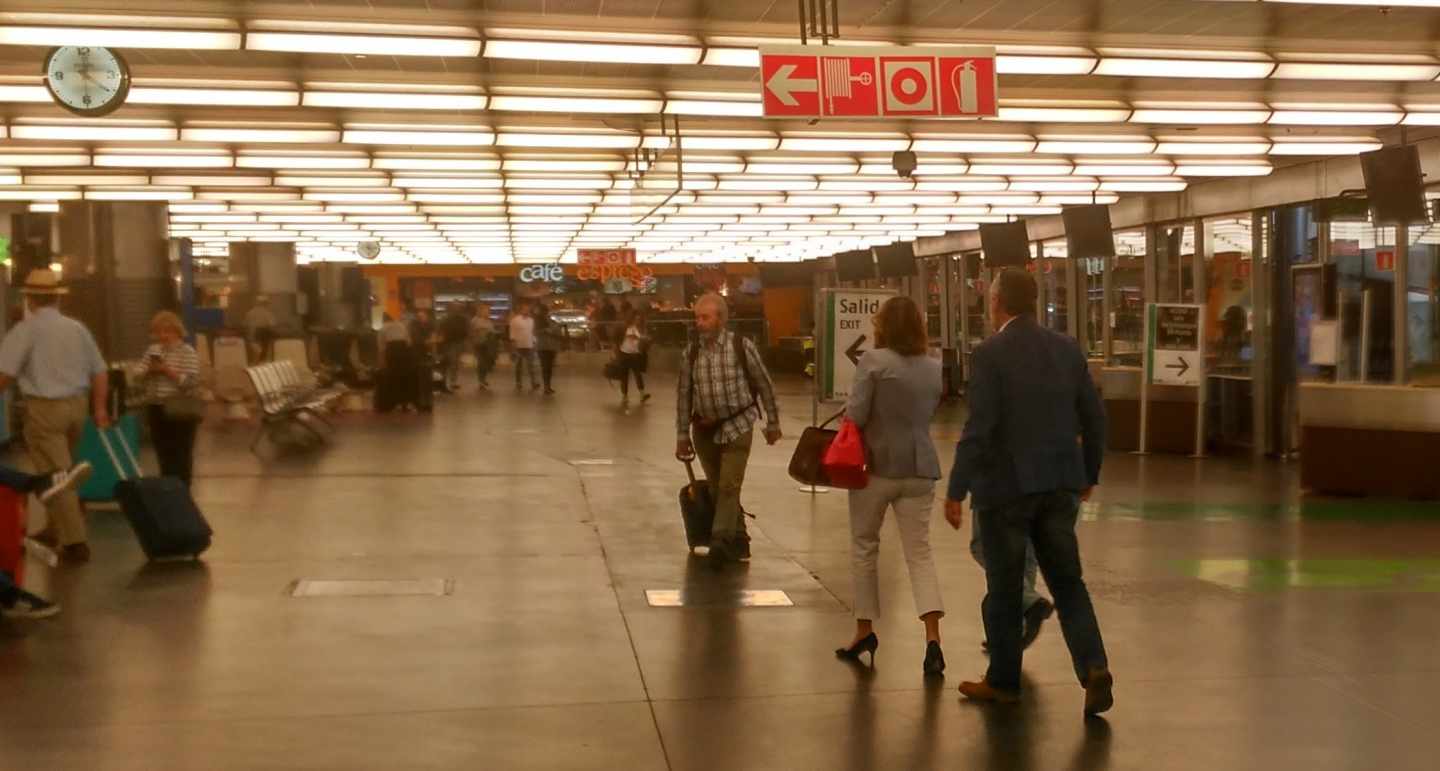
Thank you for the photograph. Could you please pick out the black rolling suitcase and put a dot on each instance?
(697, 509)
(160, 510)
(425, 384)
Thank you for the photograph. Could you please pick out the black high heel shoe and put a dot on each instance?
(934, 659)
(866, 644)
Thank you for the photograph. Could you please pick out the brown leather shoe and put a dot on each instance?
(76, 553)
(1099, 691)
(982, 691)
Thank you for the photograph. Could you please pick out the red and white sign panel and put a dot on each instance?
(879, 82)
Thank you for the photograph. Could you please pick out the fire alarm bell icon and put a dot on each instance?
(909, 85)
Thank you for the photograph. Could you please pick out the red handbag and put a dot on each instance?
(845, 459)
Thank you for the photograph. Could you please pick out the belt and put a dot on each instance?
(33, 398)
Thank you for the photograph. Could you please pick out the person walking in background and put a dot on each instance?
(896, 390)
(549, 340)
(454, 334)
(55, 361)
(260, 329)
(633, 357)
(172, 377)
(422, 333)
(485, 344)
(1030, 398)
(522, 344)
(723, 384)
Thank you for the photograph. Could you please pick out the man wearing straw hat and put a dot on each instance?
(56, 363)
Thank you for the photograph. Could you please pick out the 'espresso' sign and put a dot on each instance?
(550, 273)
(605, 265)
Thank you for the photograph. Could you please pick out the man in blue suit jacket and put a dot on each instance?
(1030, 453)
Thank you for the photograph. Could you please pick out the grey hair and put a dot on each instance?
(716, 300)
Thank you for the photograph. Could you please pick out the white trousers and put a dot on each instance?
(912, 500)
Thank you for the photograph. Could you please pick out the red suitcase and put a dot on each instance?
(12, 534)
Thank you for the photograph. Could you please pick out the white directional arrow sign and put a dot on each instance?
(783, 84)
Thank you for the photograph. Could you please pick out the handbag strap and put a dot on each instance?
(831, 419)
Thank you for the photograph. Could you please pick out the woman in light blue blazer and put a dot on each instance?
(897, 388)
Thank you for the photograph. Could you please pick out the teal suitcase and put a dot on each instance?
(101, 486)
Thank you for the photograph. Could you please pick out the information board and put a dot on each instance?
(1172, 337)
(847, 332)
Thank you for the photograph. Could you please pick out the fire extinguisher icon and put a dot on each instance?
(962, 82)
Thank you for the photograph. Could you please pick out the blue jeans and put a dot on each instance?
(1046, 520)
(527, 359)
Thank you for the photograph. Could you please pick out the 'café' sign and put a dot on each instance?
(550, 273)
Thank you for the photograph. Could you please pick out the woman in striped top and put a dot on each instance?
(172, 369)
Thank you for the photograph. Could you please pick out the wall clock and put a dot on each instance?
(87, 80)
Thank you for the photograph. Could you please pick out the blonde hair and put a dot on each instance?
(168, 319)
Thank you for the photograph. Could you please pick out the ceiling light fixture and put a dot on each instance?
(418, 138)
(277, 135)
(362, 39)
(390, 100)
(606, 53)
(49, 30)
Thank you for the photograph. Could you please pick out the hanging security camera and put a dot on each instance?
(904, 163)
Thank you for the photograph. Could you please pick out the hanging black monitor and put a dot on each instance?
(1087, 231)
(780, 274)
(858, 265)
(1394, 185)
(1005, 244)
(896, 259)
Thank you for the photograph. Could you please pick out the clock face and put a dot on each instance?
(87, 80)
(369, 249)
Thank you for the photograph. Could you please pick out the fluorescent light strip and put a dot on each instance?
(1127, 67)
(93, 133)
(10, 157)
(386, 100)
(1201, 117)
(709, 107)
(1339, 117)
(163, 161)
(1063, 115)
(609, 53)
(418, 138)
(589, 141)
(222, 97)
(260, 135)
(367, 45)
(301, 161)
(116, 37)
(575, 105)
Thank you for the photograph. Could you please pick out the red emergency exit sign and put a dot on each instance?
(878, 82)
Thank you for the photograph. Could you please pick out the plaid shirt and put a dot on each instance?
(722, 392)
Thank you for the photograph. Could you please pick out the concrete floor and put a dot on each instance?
(1247, 629)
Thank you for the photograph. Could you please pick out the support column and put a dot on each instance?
(1402, 304)
(267, 269)
(115, 257)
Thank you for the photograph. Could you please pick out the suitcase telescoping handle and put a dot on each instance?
(124, 445)
(690, 470)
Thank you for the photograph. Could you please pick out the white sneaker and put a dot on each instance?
(60, 481)
(28, 606)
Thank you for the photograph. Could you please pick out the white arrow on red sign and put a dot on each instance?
(783, 84)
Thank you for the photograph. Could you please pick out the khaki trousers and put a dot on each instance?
(52, 431)
(724, 466)
(912, 499)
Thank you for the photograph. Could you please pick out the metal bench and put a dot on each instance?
(288, 415)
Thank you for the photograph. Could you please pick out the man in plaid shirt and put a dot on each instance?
(719, 402)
